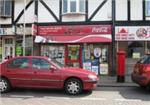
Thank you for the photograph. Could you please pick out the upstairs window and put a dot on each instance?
(147, 7)
(73, 6)
(5, 8)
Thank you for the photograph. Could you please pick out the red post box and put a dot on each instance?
(121, 56)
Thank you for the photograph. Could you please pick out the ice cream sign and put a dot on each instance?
(132, 33)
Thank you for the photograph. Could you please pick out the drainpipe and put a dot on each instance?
(113, 39)
(24, 29)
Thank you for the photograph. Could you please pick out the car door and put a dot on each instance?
(44, 76)
(19, 72)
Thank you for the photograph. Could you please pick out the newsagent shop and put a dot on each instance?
(85, 46)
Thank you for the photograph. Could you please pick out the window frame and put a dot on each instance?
(11, 65)
(40, 59)
(68, 7)
(3, 8)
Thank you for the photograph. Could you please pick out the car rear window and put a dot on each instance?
(19, 63)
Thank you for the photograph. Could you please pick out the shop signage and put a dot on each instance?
(132, 33)
(74, 30)
(34, 29)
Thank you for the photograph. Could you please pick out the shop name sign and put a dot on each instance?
(132, 33)
(74, 30)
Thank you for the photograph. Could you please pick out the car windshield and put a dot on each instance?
(143, 59)
(60, 65)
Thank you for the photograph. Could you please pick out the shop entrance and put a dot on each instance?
(73, 55)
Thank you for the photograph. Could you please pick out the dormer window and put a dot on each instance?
(73, 6)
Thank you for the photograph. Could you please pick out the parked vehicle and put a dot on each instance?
(42, 72)
(141, 73)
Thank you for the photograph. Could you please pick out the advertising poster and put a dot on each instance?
(87, 66)
(18, 50)
(97, 52)
(95, 69)
(104, 69)
(87, 54)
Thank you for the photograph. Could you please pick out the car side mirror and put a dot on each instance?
(52, 68)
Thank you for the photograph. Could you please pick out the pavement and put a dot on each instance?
(111, 81)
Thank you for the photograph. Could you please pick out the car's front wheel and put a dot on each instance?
(73, 86)
(4, 85)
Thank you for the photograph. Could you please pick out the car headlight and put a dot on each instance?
(91, 76)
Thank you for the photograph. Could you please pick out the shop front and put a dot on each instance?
(135, 41)
(7, 43)
(0, 49)
(11, 42)
(84, 46)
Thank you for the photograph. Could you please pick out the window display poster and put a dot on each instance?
(73, 52)
(104, 55)
(136, 55)
(18, 50)
(54, 52)
(104, 69)
(87, 66)
(97, 52)
(87, 55)
(95, 69)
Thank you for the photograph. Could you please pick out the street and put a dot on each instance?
(100, 96)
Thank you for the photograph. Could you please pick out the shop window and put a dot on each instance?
(5, 8)
(147, 8)
(135, 49)
(29, 45)
(148, 47)
(54, 52)
(73, 6)
(96, 58)
(0, 49)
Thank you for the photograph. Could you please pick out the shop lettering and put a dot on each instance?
(71, 31)
(131, 38)
(100, 29)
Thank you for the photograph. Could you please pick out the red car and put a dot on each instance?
(42, 72)
(141, 73)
